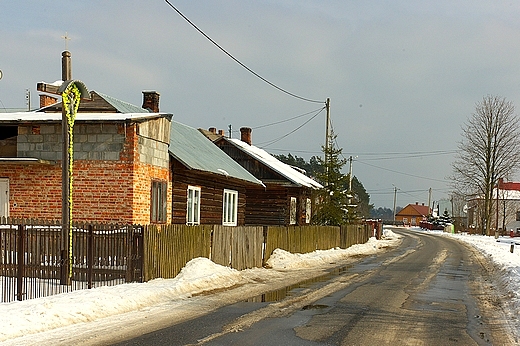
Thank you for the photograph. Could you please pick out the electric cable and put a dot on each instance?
(291, 132)
(393, 171)
(236, 60)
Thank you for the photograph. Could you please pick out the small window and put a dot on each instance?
(159, 202)
(308, 210)
(193, 208)
(292, 220)
(229, 208)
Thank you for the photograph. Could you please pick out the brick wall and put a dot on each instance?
(106, 187)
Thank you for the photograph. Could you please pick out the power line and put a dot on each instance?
(286, 120)
(391, 170)
(238, 61)
(291, 132)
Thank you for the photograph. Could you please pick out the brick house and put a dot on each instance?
(121, 163)
(208, 186)
(413, 214)
(287, 196)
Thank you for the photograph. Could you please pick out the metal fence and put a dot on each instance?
(31, 260)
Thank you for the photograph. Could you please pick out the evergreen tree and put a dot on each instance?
(331, 201)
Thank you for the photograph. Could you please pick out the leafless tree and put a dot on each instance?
(489, 150)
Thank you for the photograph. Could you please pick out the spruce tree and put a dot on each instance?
(331, 202)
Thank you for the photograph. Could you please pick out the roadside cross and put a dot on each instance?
(66, 38)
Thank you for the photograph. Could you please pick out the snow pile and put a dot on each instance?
(281, 259)
(41, 314)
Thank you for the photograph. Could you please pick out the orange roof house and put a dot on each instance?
(412, 214)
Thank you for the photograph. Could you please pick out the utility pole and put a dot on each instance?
(28, 99)
(395, 197)
(327, 130)
(429, 198)
(230, 132)
(350, 176)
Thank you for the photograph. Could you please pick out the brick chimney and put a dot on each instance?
(213, 130)
(221, 132)
(245, 134)
(151, 101)
(46, 100)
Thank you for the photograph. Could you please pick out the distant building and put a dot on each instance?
(413, 214)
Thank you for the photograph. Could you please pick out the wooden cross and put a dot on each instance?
(66, 38)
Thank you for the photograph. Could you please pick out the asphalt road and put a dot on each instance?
(431, 290)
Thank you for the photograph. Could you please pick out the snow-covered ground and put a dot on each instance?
(70, 317)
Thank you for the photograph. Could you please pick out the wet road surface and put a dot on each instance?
(428, 291)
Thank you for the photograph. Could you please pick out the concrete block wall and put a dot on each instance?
(91, 141)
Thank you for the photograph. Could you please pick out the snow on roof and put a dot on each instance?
(275, 164)
(50, 117)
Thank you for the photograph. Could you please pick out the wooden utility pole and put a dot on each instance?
(395, 197)
(71, 91)
(327, 129)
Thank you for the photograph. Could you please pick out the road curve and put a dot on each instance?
(431, 290)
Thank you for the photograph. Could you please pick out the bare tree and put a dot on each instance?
(489, 150)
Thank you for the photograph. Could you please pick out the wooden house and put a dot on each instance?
(208, 186)
(120, 161)
(413, 214)
(287, 196)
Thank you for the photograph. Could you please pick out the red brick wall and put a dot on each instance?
(103, 191)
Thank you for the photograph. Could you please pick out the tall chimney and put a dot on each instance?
(66, 66)
(245, 134)
(151, 101)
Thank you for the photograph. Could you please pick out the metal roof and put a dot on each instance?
(122, 106)
(195, 151)
(278, 166)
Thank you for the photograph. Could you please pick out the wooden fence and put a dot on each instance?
(167, 248)
(32, 263)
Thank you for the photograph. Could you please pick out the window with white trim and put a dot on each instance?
(292, 218)
(193, 207)
(308, 210)
(229, 207)
(159, 201)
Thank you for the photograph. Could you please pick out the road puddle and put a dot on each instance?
(288, 291)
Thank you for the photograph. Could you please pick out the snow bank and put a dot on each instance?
(41, 314)
(281, 259)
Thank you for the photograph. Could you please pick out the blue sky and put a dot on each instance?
(402, 76)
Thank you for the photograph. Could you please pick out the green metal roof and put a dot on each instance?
(122, 106)
(195, 151)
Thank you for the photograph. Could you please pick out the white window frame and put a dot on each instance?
(292, 211)
(229, 207)
(193, 206)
